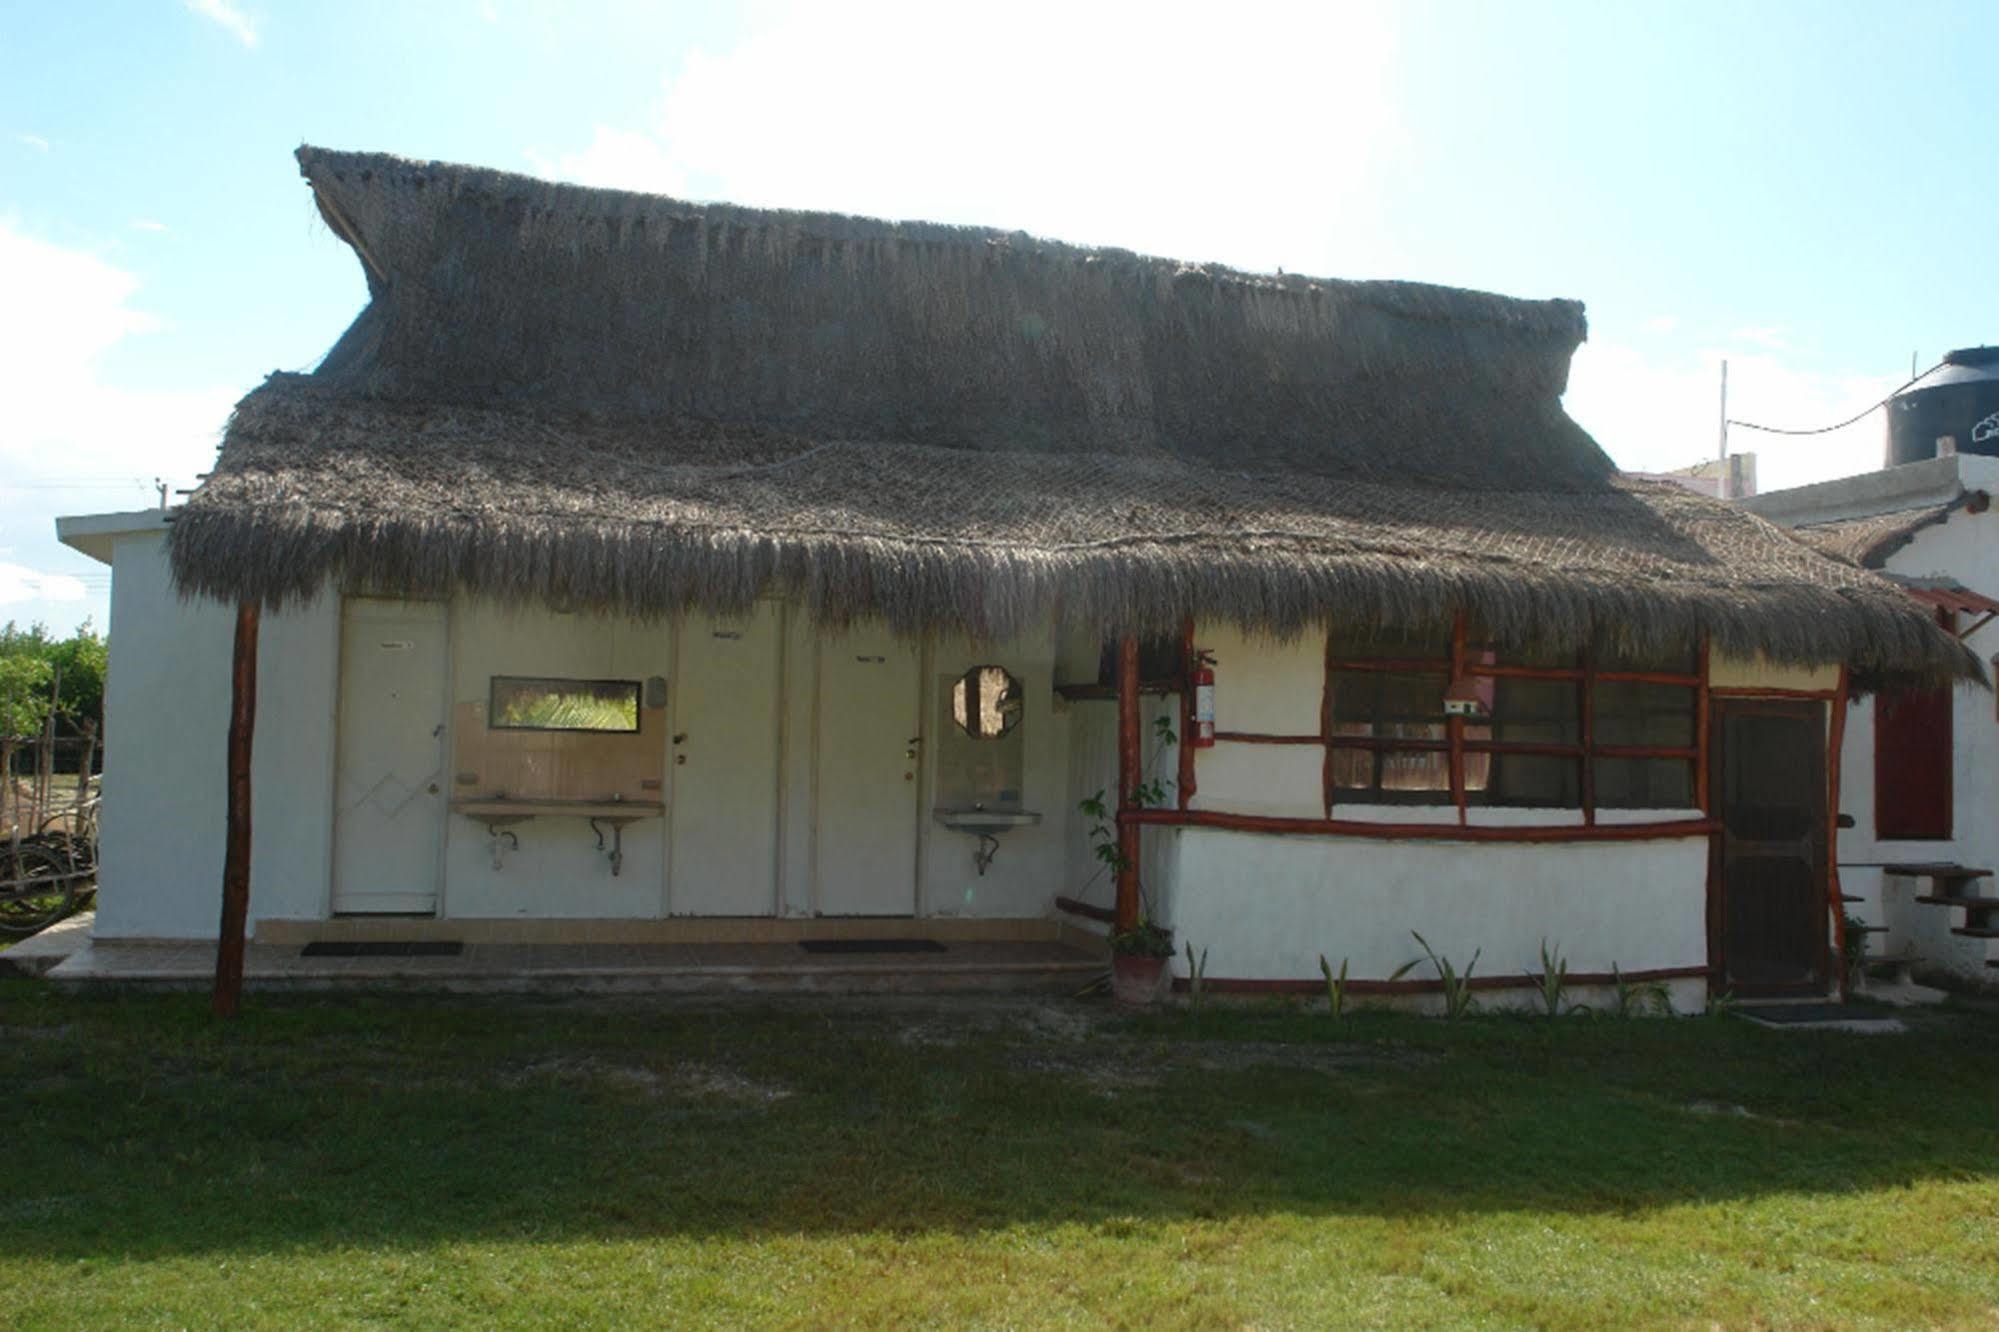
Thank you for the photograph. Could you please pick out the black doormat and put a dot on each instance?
(1787, 1015)
(383, 948)
(871, 945)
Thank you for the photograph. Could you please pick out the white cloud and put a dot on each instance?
(1661, 324)
(616, 160)
(34, 141)
(224, 12)
(71, 440)
(1770, 337)
(147, 224)
(19, 583)
(487, 12)
(1655, 414)
(59, 419)
(1104, 123)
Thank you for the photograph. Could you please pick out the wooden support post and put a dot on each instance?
(1835, 739)
(1702, 721)
(1185, 786)
(1128, 770)
(1327, 701)
(1454, 725)
(1586, 695)
(236, 855)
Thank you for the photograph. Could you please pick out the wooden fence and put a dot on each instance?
(49, 779)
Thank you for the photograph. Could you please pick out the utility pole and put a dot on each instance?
(1722, 455)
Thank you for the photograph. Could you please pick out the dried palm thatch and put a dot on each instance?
(631, 403)
(1869, 541)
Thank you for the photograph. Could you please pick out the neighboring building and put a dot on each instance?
(1921, 767)
(1733, 477)
(814, 558)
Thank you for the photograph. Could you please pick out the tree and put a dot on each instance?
(24, 694)
(30, 659)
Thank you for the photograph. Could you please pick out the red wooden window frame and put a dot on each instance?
(1457, 745)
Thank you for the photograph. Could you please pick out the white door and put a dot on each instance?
(389, 813)
(868, 742)
(721, 711)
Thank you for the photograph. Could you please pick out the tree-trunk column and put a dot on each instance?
(236, 856)
(1127, 781)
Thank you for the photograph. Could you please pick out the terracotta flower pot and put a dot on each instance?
(1136, 980)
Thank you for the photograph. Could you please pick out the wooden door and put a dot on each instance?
(722, 707)
(388, 820)
(868, 745)
(1769, 888)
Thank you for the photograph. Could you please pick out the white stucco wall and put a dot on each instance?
(1966, 548)
(166, 723)
(167, 701)
(557, 871)
(1266, 907)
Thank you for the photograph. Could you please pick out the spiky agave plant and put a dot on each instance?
(1336, 987)
(1458, 999)
(1197, 977)
(1552, 979)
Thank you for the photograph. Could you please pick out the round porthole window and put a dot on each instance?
(986, 702)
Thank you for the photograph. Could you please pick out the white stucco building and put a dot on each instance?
(1923, 792)
(637, 571)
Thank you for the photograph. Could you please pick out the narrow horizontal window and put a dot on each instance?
(537, 703)
(1413, 720)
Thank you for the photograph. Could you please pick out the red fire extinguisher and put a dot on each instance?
(1202, 678)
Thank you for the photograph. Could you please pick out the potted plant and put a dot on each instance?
(1138, 961)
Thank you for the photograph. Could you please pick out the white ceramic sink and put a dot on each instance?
(987, 821)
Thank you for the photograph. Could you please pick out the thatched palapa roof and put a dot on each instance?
(1869, 541)
(628, 402)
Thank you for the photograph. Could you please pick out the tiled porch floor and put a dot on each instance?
(967, 965)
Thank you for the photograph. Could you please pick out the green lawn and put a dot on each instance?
(438, 1161)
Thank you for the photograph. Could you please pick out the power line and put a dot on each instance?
(1826, 430)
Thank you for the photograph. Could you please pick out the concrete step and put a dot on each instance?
(39, 954)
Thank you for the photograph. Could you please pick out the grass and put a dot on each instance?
(359, 1160)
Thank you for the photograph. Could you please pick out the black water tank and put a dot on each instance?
(1958, 401)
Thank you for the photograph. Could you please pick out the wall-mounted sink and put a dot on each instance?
(986, 822)
(986, 825)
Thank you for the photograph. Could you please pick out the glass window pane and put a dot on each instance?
(1644, 784)
(986, 702)
(522, 703)
(1390, 704)
(1390, 707)
(1415, 770)
(1538, 780)
(1628, 713)
(1539, 710)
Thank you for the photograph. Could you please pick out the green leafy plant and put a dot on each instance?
(1853, 950)
(1633, 998)
(1143, 940)
(1721, 1005)
(1197, 977)
(1458, 999)
(1103, 819)
(1552, 979)
(1336, 987)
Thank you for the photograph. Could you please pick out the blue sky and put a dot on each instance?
(1804, 189)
